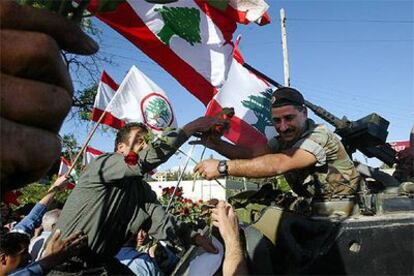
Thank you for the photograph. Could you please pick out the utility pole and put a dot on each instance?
(284, 47)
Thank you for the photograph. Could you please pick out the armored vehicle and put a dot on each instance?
(371, 233)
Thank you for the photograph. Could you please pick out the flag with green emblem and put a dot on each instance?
(191, 39)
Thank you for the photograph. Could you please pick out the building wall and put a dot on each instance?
(204, 189)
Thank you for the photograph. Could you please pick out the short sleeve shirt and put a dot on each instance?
(334, 172)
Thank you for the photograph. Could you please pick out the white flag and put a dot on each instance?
(65, 165)
(139, 99)
(106, 90)
(90, 154)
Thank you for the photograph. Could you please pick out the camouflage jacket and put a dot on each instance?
(334, 172)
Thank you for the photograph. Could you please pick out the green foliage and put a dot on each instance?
(181, 21)
(261, 106)
(33, 193)
(84, 102)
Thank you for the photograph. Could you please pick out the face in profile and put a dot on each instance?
(289, 122)
(142, 237)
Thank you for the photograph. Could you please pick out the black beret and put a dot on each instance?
(287, 96)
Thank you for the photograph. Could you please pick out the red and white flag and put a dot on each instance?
(250, 97)
(106, 90)
(65, 166)
(245, 11)
(191, 39)
(90, 154)
(139, 99)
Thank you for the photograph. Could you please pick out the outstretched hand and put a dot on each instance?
(58, 250)
(60, 183)
(225, 219)
(208, 169)
(200, 125)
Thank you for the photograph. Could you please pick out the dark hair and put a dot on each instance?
(13, 242)
(299, 108)
(123, 133)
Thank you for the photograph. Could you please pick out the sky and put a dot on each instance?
(351, 57)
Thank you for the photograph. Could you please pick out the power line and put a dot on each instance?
(352, 20)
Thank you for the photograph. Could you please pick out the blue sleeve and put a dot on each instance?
(30, 270)
(32, 220)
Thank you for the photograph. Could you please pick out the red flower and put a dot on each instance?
(165, 190)
(186, 211)
(200, 201)
(131, 159)
(171, 190)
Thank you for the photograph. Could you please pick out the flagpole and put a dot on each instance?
(180, 178)
(88, 139)
(201, 159)
(262, 75)
(195, 161)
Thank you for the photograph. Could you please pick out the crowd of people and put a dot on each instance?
(112, 222)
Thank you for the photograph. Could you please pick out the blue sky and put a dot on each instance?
(351, 57)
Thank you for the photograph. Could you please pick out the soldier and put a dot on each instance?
(310, 156)
(111, 200)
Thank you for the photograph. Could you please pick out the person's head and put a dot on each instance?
(13, 252)
(50, 219)
(289, 113)
(125, 137)
(142, 236)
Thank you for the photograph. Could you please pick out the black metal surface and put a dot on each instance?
(382, 245)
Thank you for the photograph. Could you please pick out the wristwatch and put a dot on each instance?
(222, 168)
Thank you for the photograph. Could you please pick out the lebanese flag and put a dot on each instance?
(245, 11)
(250, 97)
(139, 99)
(90, 154)
(106, 90)
(190, 39)
(64, 168)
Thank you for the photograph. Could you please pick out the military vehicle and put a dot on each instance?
(371, 233)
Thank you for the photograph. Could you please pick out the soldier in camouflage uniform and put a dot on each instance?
(111, 200)
(310, 156)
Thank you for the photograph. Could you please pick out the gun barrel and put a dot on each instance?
(327, 116)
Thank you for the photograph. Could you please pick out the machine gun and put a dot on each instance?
(368, 135)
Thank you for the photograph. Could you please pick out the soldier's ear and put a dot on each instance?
(121, 147)
(3, 259)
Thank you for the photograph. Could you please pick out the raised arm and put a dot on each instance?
(171, 140)
(232, 151)
(262, 166)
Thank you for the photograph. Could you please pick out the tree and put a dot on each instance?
(181, 21)
(261, 106)
(159, 110)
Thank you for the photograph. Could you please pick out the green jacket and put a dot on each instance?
(334, 172)
(111, 200)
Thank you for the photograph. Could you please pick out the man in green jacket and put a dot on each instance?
(310, 156)
(111, 200)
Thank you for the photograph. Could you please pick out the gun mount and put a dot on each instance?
(368, 134)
